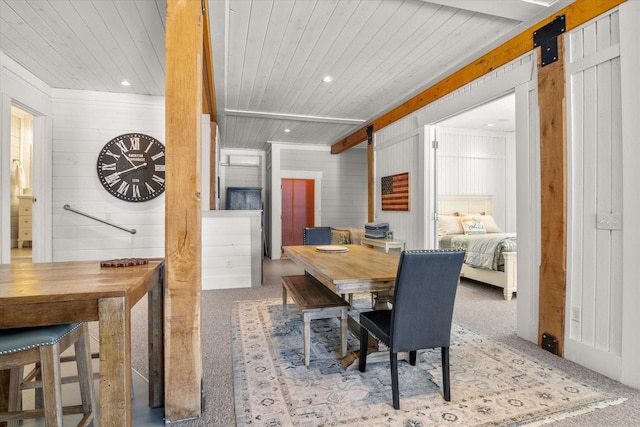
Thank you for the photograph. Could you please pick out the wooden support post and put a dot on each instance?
(213, 182)
(371, 174)
(183, 358)
(553, 183)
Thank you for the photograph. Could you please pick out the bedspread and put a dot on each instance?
(483, 250)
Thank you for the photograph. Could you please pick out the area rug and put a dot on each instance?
(491, 384)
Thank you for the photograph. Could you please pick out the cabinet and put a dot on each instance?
(24, 219)
(244, 198)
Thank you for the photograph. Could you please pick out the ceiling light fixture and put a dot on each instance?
(545, 3)
(327, 79)
(287, 130)
(490, 125)
(125, 83)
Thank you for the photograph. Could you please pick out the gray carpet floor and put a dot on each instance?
(478, 306)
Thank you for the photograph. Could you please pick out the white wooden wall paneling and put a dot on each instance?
(630, 63)
(84, 122)
(594, 291)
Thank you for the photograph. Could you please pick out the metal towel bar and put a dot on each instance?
(69, 208)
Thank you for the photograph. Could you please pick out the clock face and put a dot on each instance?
(131, 167)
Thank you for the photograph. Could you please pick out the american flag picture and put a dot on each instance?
(395, 192)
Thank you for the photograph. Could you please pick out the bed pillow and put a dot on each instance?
(489, 223)
(473, 225)
(449, 224)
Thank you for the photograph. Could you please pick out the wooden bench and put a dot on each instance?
(315, 301)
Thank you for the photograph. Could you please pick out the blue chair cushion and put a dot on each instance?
(19, 339)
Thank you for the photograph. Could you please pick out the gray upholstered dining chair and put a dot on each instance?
(316, 235)
(422, 312)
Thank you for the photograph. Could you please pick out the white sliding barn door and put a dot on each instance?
(593, 328)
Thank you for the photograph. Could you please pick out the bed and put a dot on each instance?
(466, 222)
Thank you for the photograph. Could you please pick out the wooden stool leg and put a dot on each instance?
(85, 371)
(343, 332)
(51, 385)
(14, 402)
(307, 338)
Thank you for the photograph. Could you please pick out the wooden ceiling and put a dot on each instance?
(270, 56)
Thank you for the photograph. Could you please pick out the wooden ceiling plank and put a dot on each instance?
(139, 35)
(577, 13)
(298, 81)
(256, 36)
(125, 69)
(23, 55)
(270, 55)
(119, 38)
(238, 25)
(44, 40)
(322, 35)
(289, 54)
(414, 34)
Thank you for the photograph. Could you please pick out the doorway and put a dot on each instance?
(298, 209)
(21, 192)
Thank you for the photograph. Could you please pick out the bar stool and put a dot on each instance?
(43, 345)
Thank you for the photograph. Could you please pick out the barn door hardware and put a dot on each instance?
(550, 343)
(547, 38)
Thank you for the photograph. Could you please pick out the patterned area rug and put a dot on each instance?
(490, 383)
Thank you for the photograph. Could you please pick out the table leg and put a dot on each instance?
(115, 362)
(156, 342)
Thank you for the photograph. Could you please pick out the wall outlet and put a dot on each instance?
(575, 314)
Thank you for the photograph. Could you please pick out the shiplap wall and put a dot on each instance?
(344, 183)
(476, 162)
(594, 285)
(83, 122)
(401, 150)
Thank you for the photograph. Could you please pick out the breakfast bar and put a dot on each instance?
(38, 294)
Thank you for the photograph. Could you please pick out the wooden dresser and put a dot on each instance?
(24, 219)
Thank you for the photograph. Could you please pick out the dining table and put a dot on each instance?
(349, 269)
(38, 294)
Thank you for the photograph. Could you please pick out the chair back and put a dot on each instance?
(424, 296)
(316, 235)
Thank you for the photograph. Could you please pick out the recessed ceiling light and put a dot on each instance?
(490, 125)
(287, 130)
(327, 79)
(125, 83)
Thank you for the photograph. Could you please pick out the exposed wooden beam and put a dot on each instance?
(183, 241)
(553, 198)
(209, 91)
(213, 182)
(577, 14)
(209, 103)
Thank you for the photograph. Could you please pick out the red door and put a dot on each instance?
(297, 209)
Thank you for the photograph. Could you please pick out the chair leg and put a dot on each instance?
(394, 380)
(446, 385)
(85, 371)
(412, 357)
(364, 345)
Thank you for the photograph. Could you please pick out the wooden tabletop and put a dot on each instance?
(32, 284)
(360, 269)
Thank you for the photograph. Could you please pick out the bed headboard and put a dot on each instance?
(465, 203)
